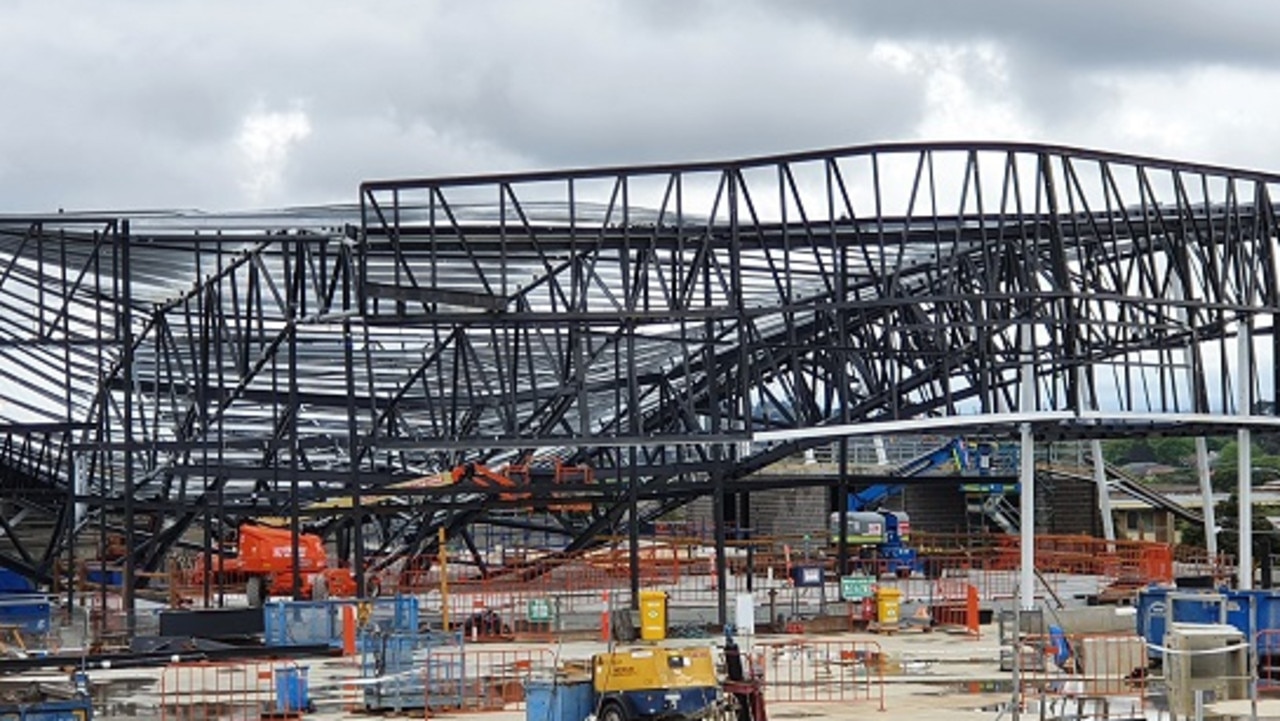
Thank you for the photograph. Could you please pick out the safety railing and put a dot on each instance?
(531, 596)
(404, 674)
(820, 671)
(1094, 676)
(955, 607)
(491, 679)
(231, 691)
(1266, 647)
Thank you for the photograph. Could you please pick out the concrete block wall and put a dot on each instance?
(1063, 507)
(936, 508)
(1067, 506)
(778, 512)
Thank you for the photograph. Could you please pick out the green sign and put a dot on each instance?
(539, 610)
(855, 588)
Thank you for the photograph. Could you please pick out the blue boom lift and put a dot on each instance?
(881, 536)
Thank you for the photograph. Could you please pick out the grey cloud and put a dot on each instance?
(139, 104)
(395, 88)
(1084, 33)
(620, 89)
(1056, 51)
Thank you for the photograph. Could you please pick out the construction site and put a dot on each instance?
(809, 435)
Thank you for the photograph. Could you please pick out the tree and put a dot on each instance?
(1227, 514)
(1116, 450)
(1226, 471)
(1173, 451)
(1268, 442)
(1122, 451)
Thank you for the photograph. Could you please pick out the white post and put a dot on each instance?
(1099, 464)
(1206, 495)
(882, 455)
(1027, 521)
(1104, 493)
(80, 484)
(1245, 475)
(1202, 449)
(1027, 478)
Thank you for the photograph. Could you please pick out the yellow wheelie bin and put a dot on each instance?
(653, 615)
(888, 605)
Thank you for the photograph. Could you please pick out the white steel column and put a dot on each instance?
(1244, 352)
(80, 486)
(1027, 478)
(1206, 495)
(1027, 521)
(1099, 463)
(1202, 449)
(1104, 493)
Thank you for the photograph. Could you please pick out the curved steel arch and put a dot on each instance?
(907, 298)
(649, 321)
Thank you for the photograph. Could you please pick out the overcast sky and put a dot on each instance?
(230, 105)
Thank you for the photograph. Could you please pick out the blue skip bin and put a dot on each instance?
(31, 614)
(292, 692)
(550, 701)
(73, 710)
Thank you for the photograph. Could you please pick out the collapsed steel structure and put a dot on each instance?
(168, 375)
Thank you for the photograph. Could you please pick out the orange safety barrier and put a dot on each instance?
(1194, 561)
(497, 600)
(1054, 554)
(1266, 645)
(485, 679)
(460, 680)
(219, 691)
(820, 671)
(955, 607)
(526, 630)
(1103, 676)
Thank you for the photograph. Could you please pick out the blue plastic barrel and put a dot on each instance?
(292, 693)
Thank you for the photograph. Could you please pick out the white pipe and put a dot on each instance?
(1027, 521)
(80, 485)
(1087, 399)
(1027, 477)
(1104, 493)
(882, 454)
(1206, 496)
(1202, 449)
(1245, 475)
